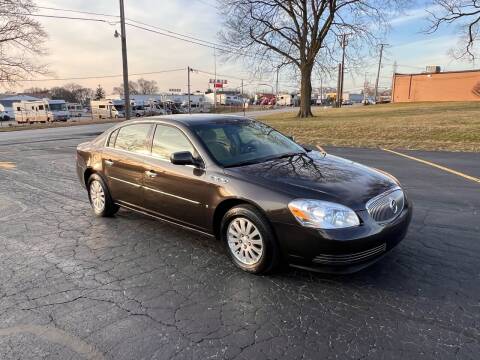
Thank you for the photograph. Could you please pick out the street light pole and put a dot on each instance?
(189, 103)
(126, 90)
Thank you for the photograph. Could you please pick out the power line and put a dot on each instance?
(77, 11)
(66, 17)
(163, 31)
(129, 19)
(103, 76)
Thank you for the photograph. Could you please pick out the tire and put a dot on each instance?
(99, 196)
(256, 254)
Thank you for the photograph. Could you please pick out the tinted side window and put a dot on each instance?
(168, 140)
(40, 107)
(133, 138)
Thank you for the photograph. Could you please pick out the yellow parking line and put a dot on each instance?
(7, 165)
(458, 173)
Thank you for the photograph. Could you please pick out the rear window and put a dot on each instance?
(133, 138)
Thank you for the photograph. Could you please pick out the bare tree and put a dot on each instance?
(132, 87)
(21, 39)
(81, 94)
(466, 15)
(295, 32)
(147, 87)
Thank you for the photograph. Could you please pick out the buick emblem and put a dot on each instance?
(393, 206)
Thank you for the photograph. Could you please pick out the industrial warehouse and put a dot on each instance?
(437, 86)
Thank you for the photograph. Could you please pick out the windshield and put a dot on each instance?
(119, 107)
(58, 107)
(236, 143)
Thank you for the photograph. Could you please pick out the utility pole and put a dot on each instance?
(215, 80)
(339, 103)
(276, 85)
(378, 72)
(189, 102)
(365, 90)
(126, 90)
(344, 44)
(321, 90)
(243, 101)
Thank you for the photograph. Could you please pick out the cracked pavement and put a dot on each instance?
(79, 287)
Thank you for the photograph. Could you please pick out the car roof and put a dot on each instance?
(193, 119)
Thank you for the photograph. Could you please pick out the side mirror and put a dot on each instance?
(182, 158)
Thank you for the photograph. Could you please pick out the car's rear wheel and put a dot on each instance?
(249, 239)
(100, 199)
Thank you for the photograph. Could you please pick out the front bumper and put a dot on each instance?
(342, 250)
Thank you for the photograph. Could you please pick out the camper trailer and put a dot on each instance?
(107, 109)
(32, 112)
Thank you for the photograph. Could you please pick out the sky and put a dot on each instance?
(83, 49)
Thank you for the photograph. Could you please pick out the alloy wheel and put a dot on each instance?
(97, 196)
(245, 241)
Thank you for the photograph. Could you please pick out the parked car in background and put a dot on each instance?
(137, 110)
(266, 197)
(4, 116)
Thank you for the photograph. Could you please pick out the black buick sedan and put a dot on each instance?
(266, 197)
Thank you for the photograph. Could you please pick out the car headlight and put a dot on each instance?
(323, 214)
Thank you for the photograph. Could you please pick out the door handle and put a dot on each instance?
(151, 173)
(109, 162)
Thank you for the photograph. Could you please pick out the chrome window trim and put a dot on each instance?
(153, 122)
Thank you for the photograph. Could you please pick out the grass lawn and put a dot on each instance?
(452, 126)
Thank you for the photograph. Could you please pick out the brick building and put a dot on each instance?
(441, 86)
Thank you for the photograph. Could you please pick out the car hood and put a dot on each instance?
(319, 176)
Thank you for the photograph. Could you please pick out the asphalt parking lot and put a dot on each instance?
(79, 287)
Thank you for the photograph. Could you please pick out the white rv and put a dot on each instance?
(32, 112)
(75, 109)
(107, 109)
(59, 109)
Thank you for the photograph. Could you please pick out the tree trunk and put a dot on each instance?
(306, 92)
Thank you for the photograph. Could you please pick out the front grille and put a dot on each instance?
(387, 206)
(328, 259)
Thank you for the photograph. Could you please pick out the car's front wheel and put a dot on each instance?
(100, 199)
(249, 239)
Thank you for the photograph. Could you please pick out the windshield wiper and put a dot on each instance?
(263, 159)
(246, 162)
